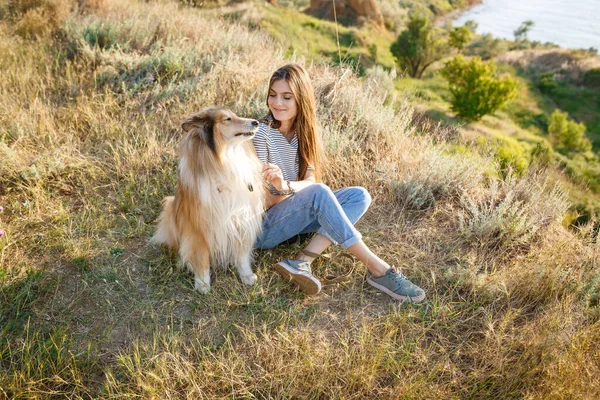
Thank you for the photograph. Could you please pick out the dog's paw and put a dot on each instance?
(249, 279)
(201, 286)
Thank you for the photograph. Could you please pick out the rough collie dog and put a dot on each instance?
(216, 213)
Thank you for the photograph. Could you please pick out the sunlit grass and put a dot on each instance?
(89, 124)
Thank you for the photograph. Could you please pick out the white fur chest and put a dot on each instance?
(231, 204)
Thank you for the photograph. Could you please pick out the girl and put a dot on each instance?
(288, 145)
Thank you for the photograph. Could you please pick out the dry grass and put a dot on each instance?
(567, 64)
(511, 213)
(38, 18)
(89, 120)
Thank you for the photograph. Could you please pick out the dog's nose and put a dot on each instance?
(254, 123)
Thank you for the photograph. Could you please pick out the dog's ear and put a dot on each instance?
(195, 121)
(204, 122)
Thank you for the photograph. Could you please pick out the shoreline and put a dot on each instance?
(442, 20)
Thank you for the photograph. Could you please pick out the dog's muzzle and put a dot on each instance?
(251, 132)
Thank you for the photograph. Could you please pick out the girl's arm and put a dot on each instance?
(273, 175)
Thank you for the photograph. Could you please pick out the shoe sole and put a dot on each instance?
(396, 295)
(307, 283)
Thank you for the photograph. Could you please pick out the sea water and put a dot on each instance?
(567, 23)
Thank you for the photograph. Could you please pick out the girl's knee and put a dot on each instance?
(365, 195)
(362, 196)
(321, 192)
(321, 188)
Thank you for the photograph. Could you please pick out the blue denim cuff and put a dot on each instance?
(347, 243)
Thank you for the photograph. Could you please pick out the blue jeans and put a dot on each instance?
(316, 209)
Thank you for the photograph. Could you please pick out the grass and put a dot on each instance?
(89, 310)
(315, 38)
(517, 134)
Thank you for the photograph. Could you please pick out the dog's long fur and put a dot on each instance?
(216, 213)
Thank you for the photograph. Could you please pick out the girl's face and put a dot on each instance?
(282, 102)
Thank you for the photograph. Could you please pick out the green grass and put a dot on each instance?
(515, 133)
(315, 38)
(583, 105)
(88, 309)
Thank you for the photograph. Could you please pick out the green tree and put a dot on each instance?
(459, 37)
(475, 89)
(471, 25)
(567, 134)
(419, 46)
(521, 32)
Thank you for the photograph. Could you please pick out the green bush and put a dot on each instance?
(373, 51)
(486, 46)
(546, 83)
(581, 170)
(568, 135)
(104, 36)
(592, 78)
(513, 155)
(439, 175)
(511, 213)
(475, 89)
(542, 153)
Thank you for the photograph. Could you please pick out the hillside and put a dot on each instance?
(512, 135)
(90, 111)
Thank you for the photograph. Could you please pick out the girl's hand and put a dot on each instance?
(273, 175)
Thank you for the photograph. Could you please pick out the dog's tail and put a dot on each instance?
(166, 231)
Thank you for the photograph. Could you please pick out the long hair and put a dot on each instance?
(310, 149)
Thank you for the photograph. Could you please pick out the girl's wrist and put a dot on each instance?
(287, 189)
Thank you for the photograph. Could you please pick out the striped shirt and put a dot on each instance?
(273, 148)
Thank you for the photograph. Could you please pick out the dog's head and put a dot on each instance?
(219, 128)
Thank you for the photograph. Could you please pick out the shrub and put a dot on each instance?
(513, 155)
(137, 73)
(512, 212)
(102, 35)
(581, 170)
(592, 78)
(475, 89)
(416, 194)
(486, 46)
(373, 51)
(546, 83)
(566, 134)
(439, 175)
(381, 82)
(542, 153)
(393, 14)
(41, 17)
(33, 24)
